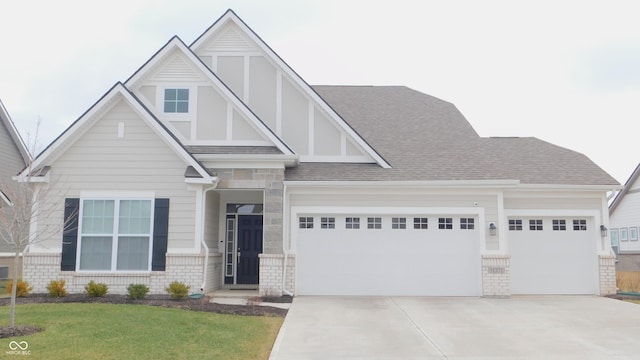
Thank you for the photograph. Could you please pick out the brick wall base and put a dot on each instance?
(496, 275)
(271, 266)
(607, 274)
(41, 268)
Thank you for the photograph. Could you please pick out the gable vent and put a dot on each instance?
(230, 40)
(177, 68)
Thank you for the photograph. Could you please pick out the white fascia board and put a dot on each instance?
(420, 184)
(550, 187)
(5, 199)
(231, 16)
(176, 43)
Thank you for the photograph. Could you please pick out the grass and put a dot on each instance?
(628, 280)
(107, 331)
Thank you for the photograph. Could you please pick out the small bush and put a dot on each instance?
(96, 289)
(57, 288)
(178, 290)
(137, 291)
(22, 289)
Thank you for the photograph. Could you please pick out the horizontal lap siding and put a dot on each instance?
(141, 161)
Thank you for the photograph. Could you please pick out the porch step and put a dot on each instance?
(242, 297)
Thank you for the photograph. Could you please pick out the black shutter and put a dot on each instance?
(70, 234)
(160, 234)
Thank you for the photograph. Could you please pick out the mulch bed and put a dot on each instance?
(202, 304)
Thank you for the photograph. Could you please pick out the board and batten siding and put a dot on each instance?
(140, 161)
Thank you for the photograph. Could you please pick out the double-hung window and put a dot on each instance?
(115, 234)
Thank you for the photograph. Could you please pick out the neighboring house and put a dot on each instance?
(624, 217)
(14, 157)
(216, 164)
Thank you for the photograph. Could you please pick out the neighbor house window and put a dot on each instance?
(633, 233)
(467, 223)
(327, 223)
(115, 235)
(374, 223)
(535, 225)
(580, 225)
(613, 234)
(624, 234)
(352, 223)
(398, 223)
(559, 225)
(421, 223)
(515, 224)
(176, 100)
(305, 222)
(445, 223)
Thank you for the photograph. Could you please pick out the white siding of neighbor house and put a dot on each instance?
(11, 161)
(627, 215)
(277, 98)
(138, 162)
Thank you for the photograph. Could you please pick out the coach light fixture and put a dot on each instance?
(492, 229)
(603, 231)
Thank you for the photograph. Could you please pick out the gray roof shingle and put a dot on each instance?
(425, 138)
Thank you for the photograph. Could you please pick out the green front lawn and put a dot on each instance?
(106, 331)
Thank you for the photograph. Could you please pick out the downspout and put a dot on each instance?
(284, 249)
(202, 241)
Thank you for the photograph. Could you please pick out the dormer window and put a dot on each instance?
(176, 100)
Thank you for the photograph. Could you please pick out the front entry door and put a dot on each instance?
(249, 246)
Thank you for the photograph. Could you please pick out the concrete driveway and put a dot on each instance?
(521, 327)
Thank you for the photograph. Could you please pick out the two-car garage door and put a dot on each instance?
(353, 254)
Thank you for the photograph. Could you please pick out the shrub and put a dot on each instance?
(137, 291)
(96, 289)
(178, 290)
(22, 288)
(57, 288)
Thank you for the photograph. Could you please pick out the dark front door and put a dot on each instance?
(249, 246)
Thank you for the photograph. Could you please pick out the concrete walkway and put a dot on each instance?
(522, 327)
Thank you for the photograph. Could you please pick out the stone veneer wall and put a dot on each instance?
(271, 266)
(607, 274)
(496, 275)
(41, 268)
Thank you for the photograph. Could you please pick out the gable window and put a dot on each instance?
(515, 224)
(445, 223)
(580, 225)
(327, 223)
(535, 225)
(559, 225)
(305, 222)
(115, 235)
(420, 223)
(352, 223)
(398, 223)
(374, 223)
(176, 100)
(467, 223)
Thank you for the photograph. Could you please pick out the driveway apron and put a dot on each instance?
(520, 327)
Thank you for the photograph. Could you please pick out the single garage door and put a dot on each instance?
(388, 255)
(553, 256)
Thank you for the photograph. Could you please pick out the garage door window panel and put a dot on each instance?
(374, 223)
(421, 223)
(536, 225)
(559, 225)
(306, 222)
(398, 223)
(467, 223)
(580, 225)
(445, 223)
(352, 223)
(515, 225)
(327, 223)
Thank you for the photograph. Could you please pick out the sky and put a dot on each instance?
(567, 72)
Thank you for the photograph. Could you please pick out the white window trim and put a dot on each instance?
(114, 235)
(193, 104)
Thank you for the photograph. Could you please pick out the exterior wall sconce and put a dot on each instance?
(492, 229)
(603, 231)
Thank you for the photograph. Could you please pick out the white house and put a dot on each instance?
(624, 214)
(216, 164)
